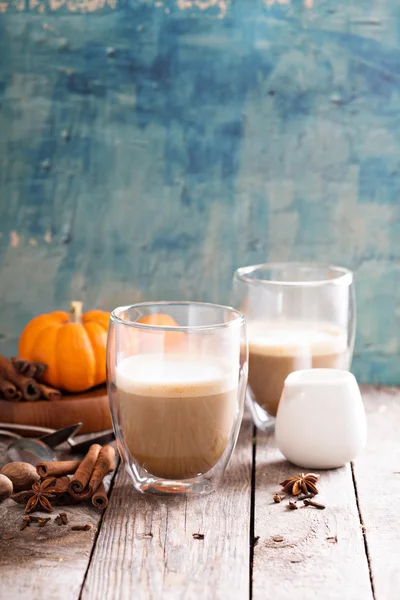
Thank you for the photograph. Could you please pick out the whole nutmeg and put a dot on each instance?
(6, 487)
(23, 475)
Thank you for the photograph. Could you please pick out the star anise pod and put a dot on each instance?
(301, 483)
(38, 497)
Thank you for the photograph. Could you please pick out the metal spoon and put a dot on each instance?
(40, 449)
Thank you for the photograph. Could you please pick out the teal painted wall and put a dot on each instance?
(148, 148)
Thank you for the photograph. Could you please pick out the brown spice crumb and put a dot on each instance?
(278, 538)
(32, 518)
(58, 520)
(292, 505)
(147, 536)
(81, 527)
(8, 537)
(332, 540)
(43, 522)
(64, 518)
(25, 523)
(277, 498)
(314, 504)
(198, 536)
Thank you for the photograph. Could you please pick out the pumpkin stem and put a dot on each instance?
(76, 311)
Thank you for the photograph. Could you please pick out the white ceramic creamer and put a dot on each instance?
(321, 422)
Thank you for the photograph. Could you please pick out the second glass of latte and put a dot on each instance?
(299, 316)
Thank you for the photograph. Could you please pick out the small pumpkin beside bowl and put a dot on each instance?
(73, 345)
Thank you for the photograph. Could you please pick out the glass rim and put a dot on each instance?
(239, 319)
(344, 276)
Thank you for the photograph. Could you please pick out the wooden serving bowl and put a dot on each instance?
(89, 407)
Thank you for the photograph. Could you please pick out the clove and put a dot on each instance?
(25, 523)
(81, 527)
(313, 503)
(43, 522)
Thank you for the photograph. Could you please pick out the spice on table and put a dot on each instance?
(22, 475)
(32, 518)
(198, 536)
(313, 503)
(104, 464)
(7, 538)
(58, 468)
(99, 498)
(81, 527)
(277, 498)
(38, 498)
(43, 522)
(301, 483)
(91, 472)
(278, 538)
(292, 505)
(79, 482)
(61, 485)
(61, 519)
(25, 523)
(6, 487)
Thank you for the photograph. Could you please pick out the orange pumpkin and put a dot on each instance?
(159, 319)
(173, 340)
(72, 345)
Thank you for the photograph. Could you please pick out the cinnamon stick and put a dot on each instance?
(104, 464)
(49, 393)
(57, 469)
(60, 490)
(28, 386)
(61, 485)
(28, 368)
(9, 390)
(99, 498)
(78, 487)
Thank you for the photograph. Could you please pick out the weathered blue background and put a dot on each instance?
(149, 148)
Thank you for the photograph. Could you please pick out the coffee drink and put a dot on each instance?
(176, 412)
(278, 349)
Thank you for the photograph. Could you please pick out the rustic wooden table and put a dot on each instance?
(146, 548)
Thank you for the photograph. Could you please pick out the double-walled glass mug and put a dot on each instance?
(299, 316)
(177, 376)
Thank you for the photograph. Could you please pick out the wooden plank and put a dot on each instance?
(146, 547)
(377, 475)
(322, 553)
(46, 563)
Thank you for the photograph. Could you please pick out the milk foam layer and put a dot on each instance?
(174, 375)
(285, 338)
